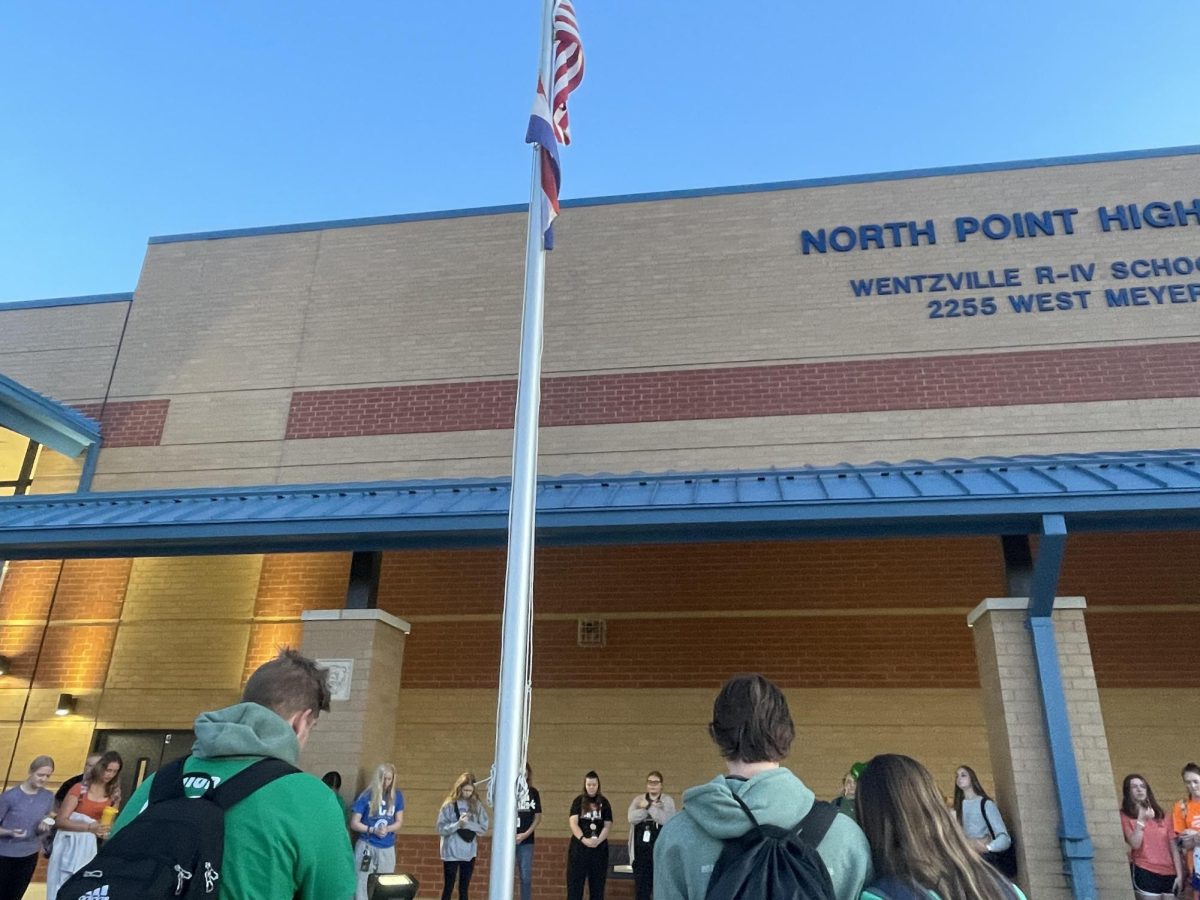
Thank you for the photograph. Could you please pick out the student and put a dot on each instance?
(982, 823)
(1185, 817)
(1154, 861)
(462, 818)
(648, 813)
(844, 802)
(23, 819)
(529, 817)
(376, 815)
(278, 843)
(917, 851)
(587, 855)
(79, 821)
(63, 789)
(753, 730)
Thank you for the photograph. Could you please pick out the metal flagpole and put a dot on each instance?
(518, 583)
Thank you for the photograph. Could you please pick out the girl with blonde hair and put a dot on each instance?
(462, 818)
(376, 816)
(917, 848)
(23, 820)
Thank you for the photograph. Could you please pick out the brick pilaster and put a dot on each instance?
(1020, 752)
(359, 733)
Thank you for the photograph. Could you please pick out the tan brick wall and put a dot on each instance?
(226, 329)
(625, 733)
(182, 643)
(64, 351)
(56, 473)
(1151, 733)
(1020, 750)
(357, 734)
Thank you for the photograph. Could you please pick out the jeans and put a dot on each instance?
(525, 868)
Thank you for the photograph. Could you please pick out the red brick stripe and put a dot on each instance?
(934, 382)
(129, 423)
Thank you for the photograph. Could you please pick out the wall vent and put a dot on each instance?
(592, 632)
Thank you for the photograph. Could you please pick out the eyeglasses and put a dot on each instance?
(653, 781)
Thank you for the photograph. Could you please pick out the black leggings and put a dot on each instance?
(15, 875)
(586, 865)
(463, 870)
(643, 872)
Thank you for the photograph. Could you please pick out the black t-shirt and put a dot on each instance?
(526, 811)
(592, 816)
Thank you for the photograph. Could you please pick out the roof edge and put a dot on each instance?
(45, 420)
(1135, 458)
(85, 300)
(688, 194)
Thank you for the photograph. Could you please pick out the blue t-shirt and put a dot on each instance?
(386, 815)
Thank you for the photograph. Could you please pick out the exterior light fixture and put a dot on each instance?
(392, 887)
(66, 705)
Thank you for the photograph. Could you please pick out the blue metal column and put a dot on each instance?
(1077, 848)
(90, 458)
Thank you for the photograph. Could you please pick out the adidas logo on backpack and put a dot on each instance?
(155, 855)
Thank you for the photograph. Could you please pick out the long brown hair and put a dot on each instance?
(913, 837)
(1129, 806)
(959, 796)
(113, 788)
(452, 798)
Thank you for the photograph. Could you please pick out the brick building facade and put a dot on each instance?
(684, 332)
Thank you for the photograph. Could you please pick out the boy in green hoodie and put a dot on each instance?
(287, 839)
(753, 730)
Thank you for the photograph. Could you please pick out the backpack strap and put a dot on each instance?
(815, 825)
(168, 781)
(745, 809)
(812, 827)
(249, 780)
(986, 820)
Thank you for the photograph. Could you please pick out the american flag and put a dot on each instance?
(549, 125)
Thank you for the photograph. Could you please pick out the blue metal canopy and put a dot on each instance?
(1153, 490)
(44, 420)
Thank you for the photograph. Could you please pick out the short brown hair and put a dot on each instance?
(288, 684)
(751, 721)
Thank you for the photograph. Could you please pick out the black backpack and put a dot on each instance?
(1003, 860)
(772, 863)
(174, 847)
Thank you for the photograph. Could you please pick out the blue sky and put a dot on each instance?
(123, 119)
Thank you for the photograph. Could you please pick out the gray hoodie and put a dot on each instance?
(454, 848)
(690, 843)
